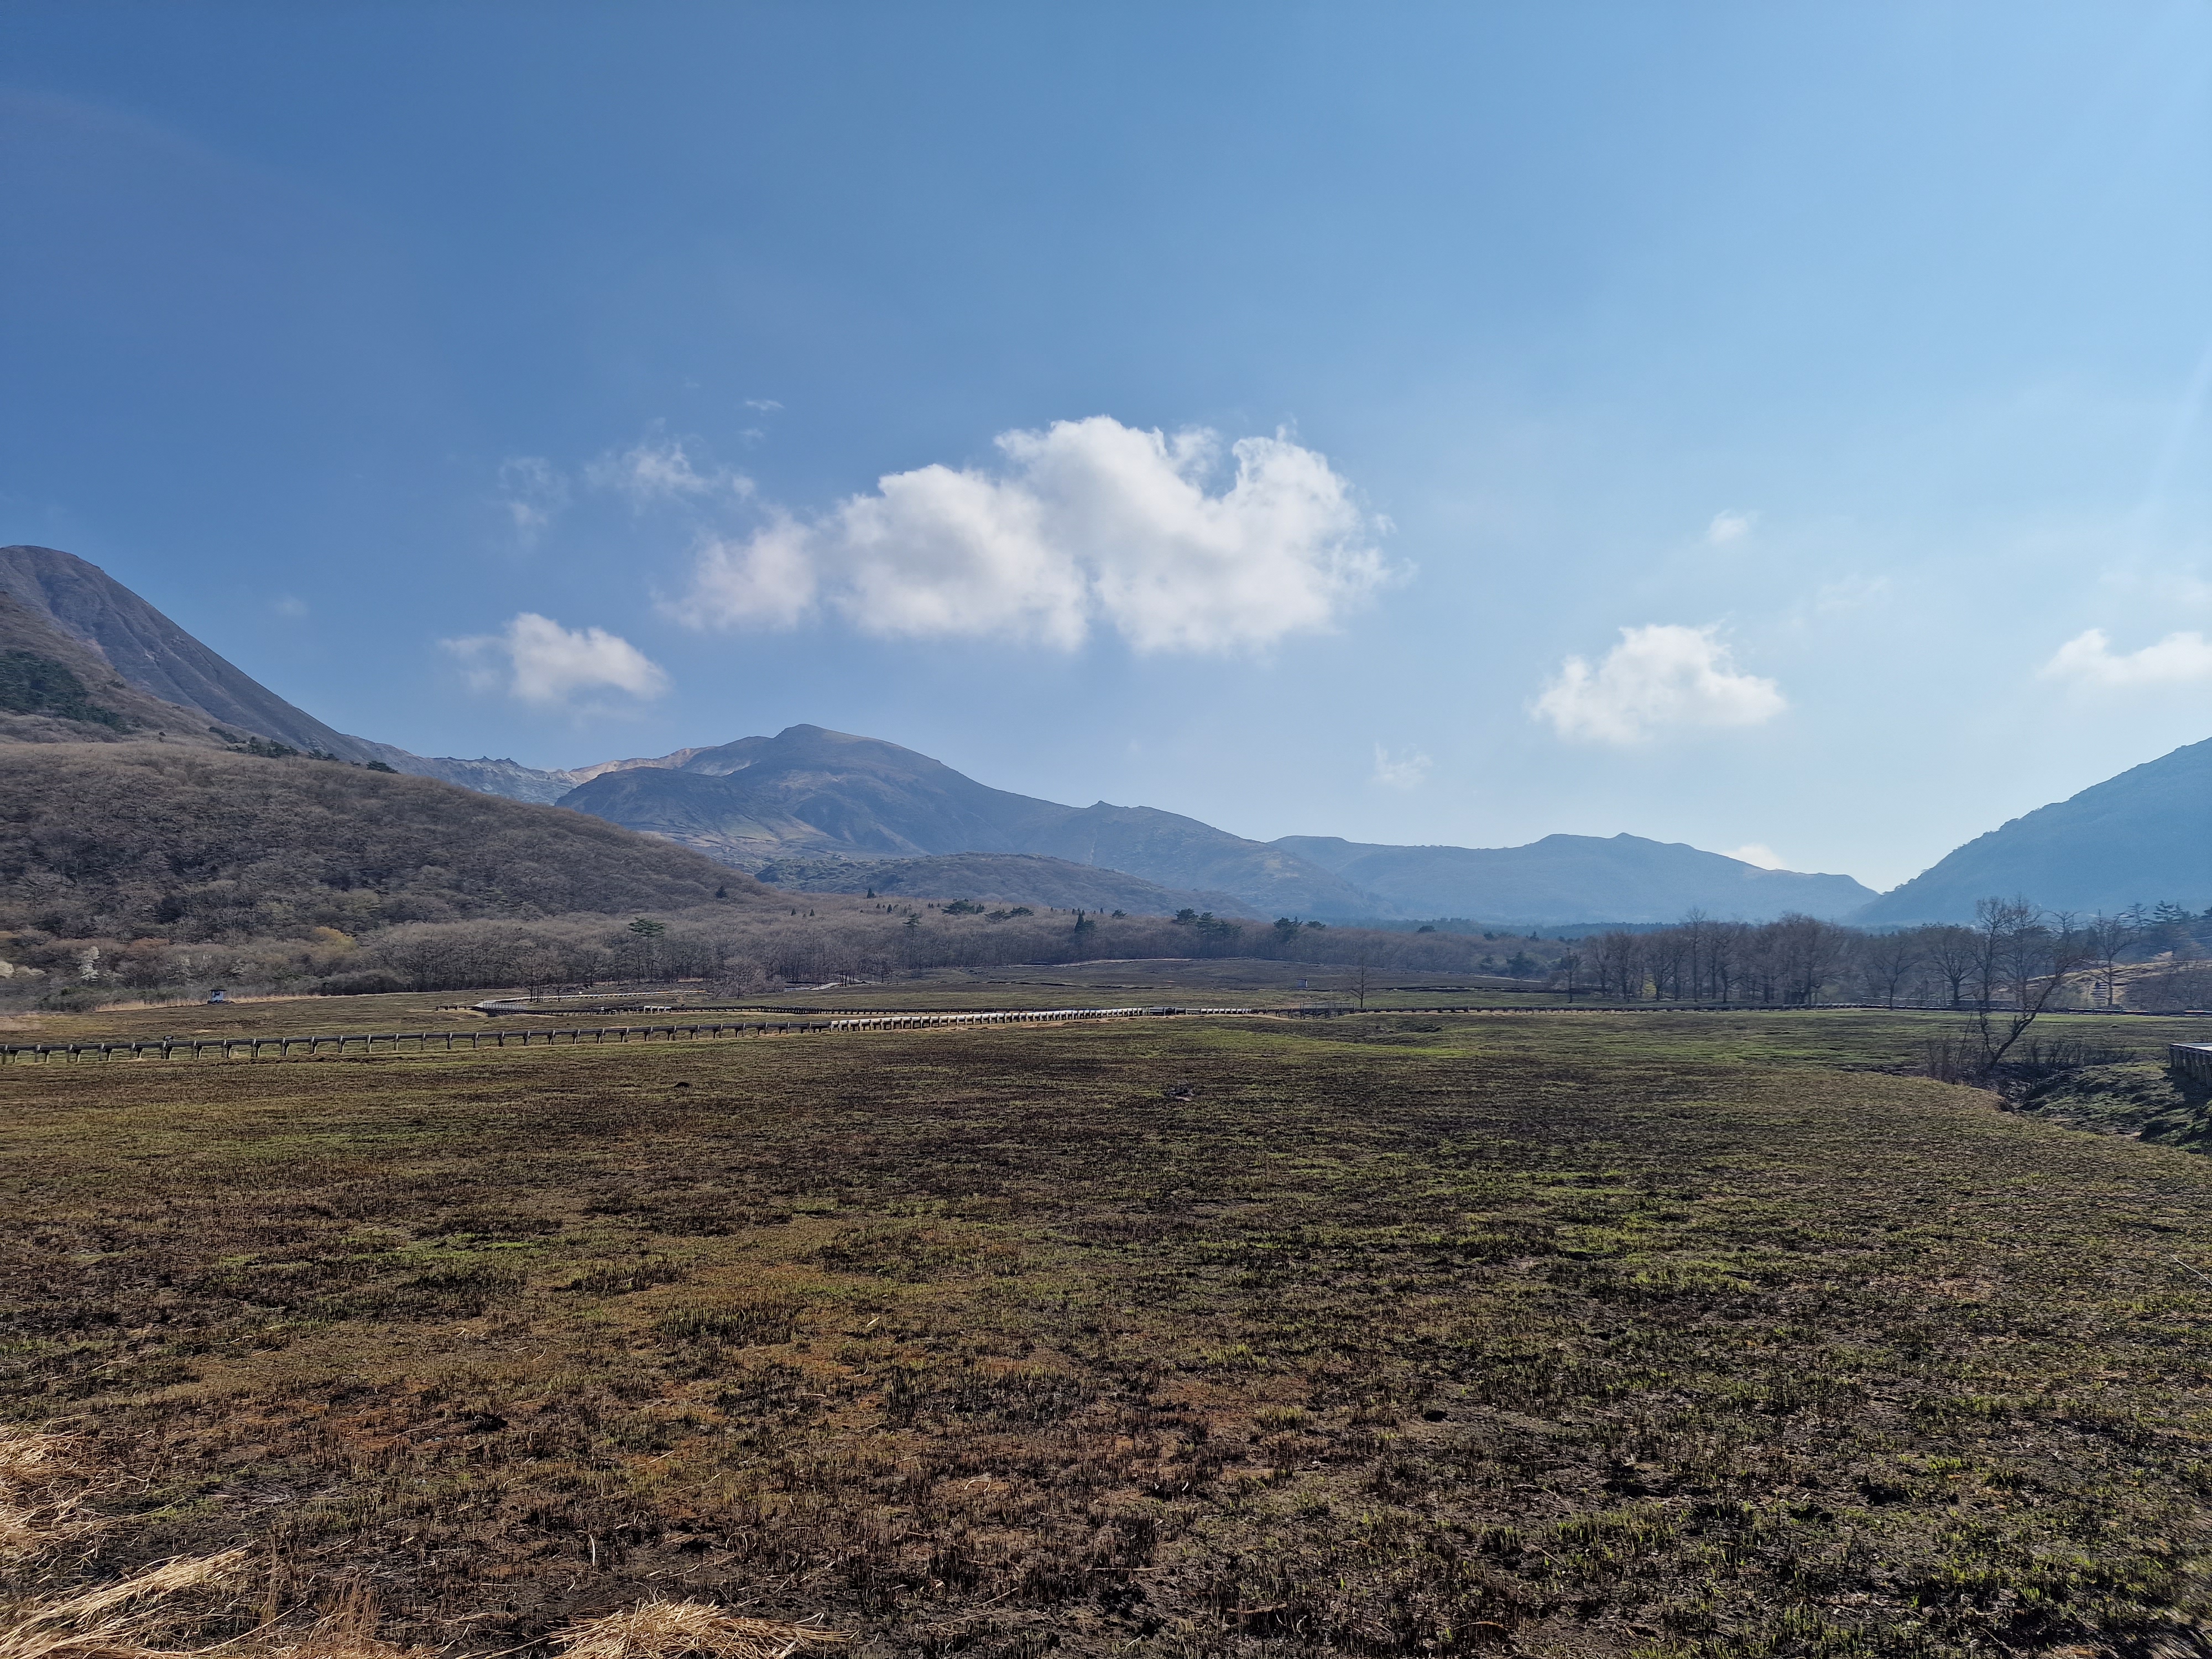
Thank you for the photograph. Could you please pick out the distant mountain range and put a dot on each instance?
(825, 811)
(807, 791)
(811, 792)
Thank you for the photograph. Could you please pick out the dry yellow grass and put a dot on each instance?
(126, 1619)
(688, 1630)
(43, 1481)
(43, 1485)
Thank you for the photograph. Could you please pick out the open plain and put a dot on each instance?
(1673, 1334)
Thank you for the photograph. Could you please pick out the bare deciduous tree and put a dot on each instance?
(1362, 980)
(2024, 955)
(1886, 961)
(1952, 952)
(2107, 939)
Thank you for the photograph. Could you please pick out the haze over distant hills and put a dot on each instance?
(2144, 836)
(84, 658)
(1576, 878)
(811, 790)
(808, 790)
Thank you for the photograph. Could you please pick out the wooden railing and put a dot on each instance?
(2192, 1060)
(360, 1043)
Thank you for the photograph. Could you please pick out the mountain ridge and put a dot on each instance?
(812, 790)
(813, 794)
(1566, 878)
(2137, 837)
(80, 601)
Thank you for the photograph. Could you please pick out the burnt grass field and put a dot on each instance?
(1673, 1335)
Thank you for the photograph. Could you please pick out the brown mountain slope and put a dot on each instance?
(138, 839)
(86, 700)
(153, 653)
(77, 600)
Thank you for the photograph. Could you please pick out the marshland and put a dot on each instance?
(1677, 1333)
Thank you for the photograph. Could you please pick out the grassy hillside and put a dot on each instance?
(997, 879)
(146, 648)
(2141, 1099)
(137, 839)
(1580, 1338)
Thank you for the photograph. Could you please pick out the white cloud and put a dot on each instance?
(1729, 525)
(537, 661)
(766, 405)
(1757, 852)
(1406, 772)
(535, 493)
(1090, 523)
(1659, 676)
(289, 606)
(2182, 658)
(660, 468)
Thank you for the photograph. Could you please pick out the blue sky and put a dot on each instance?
(1754, 426)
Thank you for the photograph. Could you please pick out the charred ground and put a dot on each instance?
(1407, 1334)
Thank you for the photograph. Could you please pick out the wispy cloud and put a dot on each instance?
(660, 468)
(1660, 677)
(1087, 524)
(766, 405)
(533, 491)
(2088, 659)
(537, 661)
(1850, 593)
(1401, 772)
(291, 607)
(1730, 524)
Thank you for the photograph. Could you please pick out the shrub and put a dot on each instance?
(373, 981)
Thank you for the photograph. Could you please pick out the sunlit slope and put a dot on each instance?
(2136, 839)
(142, 839)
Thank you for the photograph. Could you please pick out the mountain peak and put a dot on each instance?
(155, 655)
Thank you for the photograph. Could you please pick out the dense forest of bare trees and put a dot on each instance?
(2014, 956)
(738, 946)
(2013, 960)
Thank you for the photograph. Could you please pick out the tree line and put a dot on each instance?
(2014, 962)
(2012, 949)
